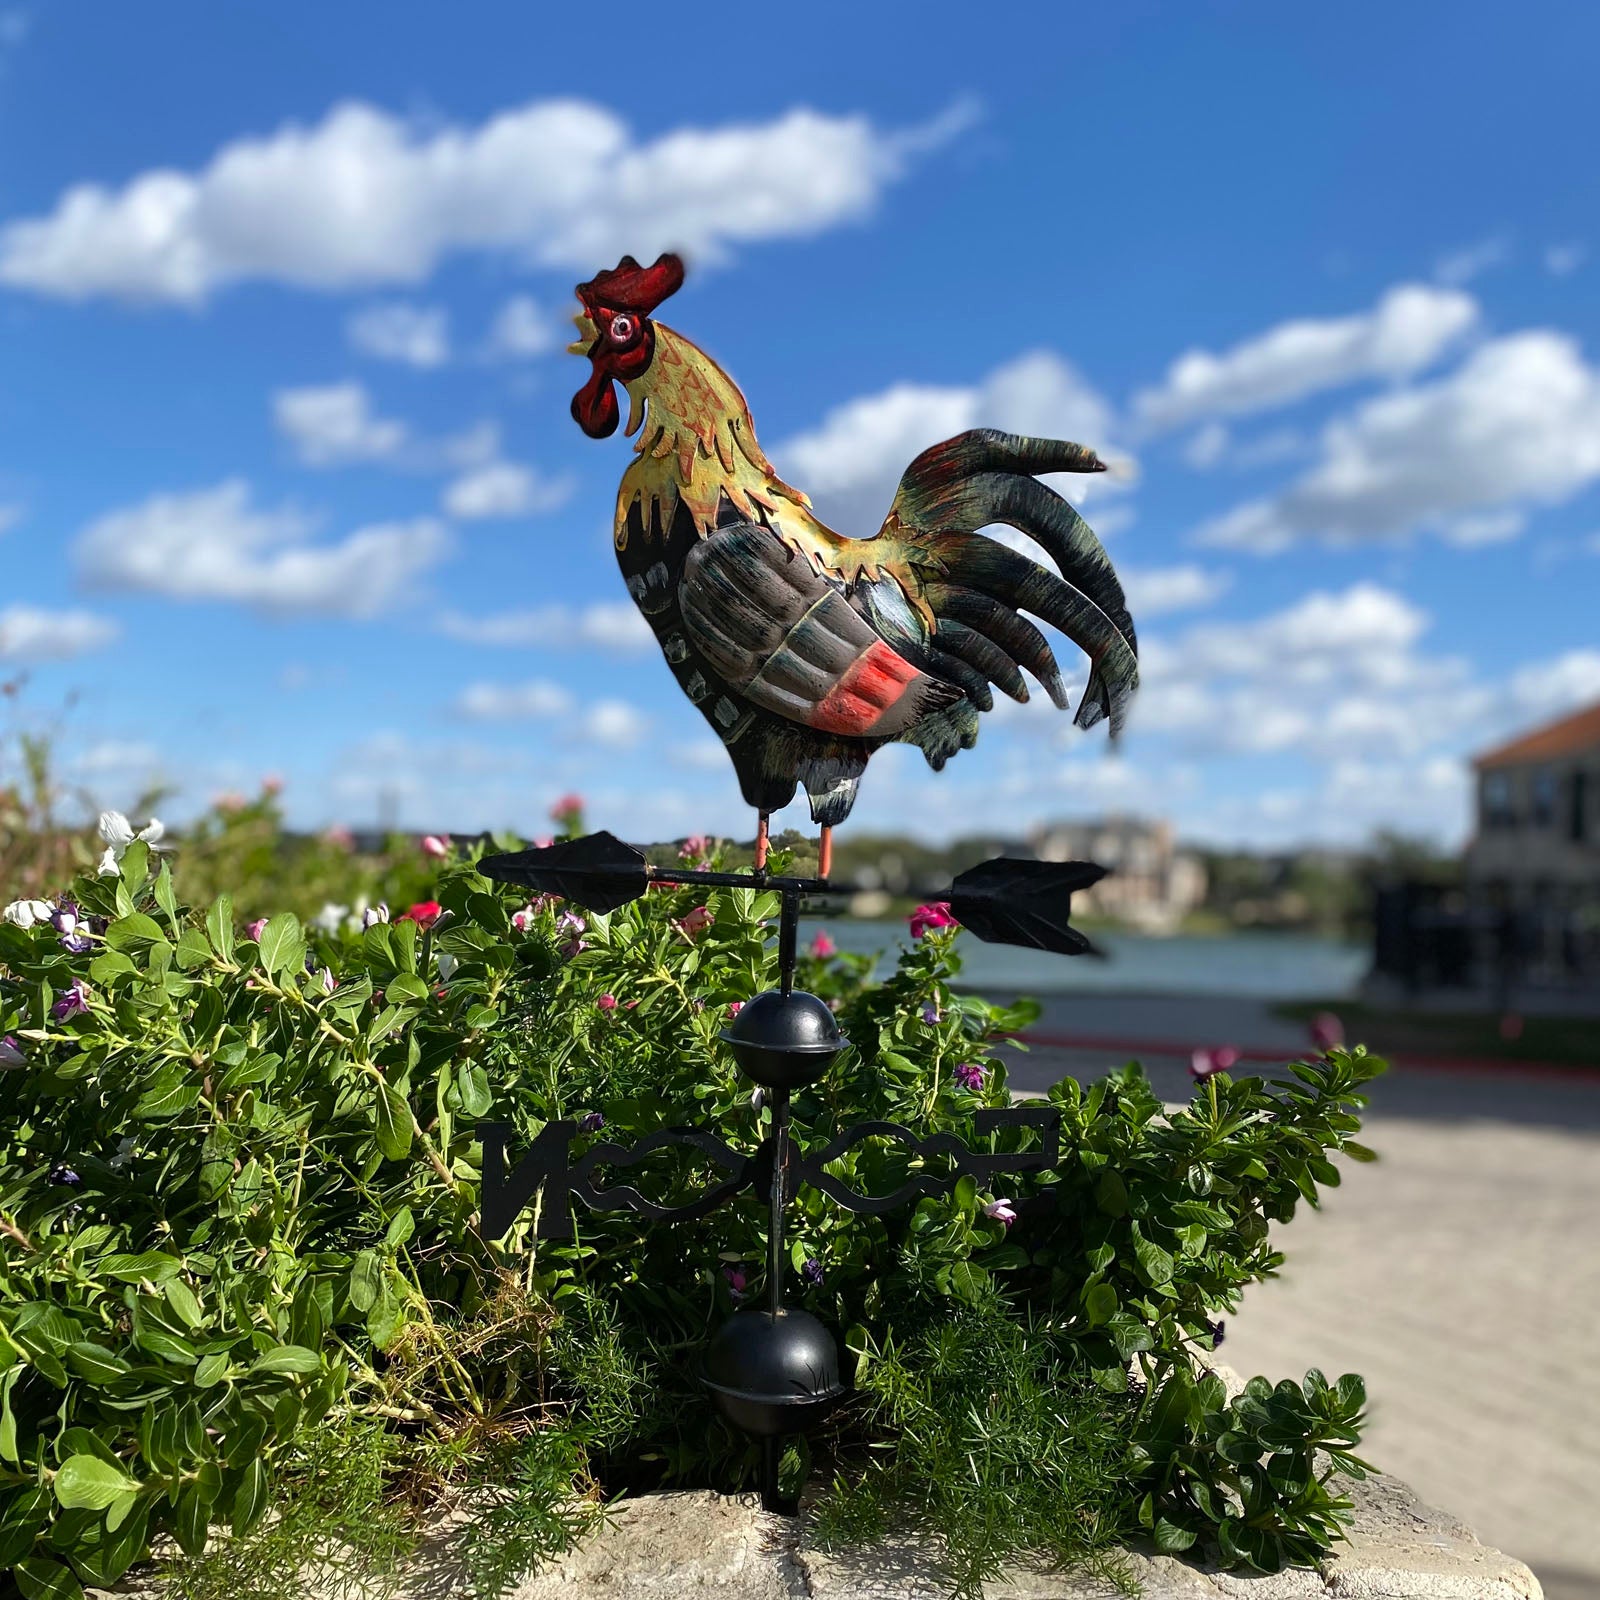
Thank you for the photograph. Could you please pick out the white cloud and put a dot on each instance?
(214, 544)
(366, 198)
(851, 464)
(10, 516)
(1408, 329)
(415, 336)
(1153, 591)
(120, 757)
(1561, 260)
(614, 626)
(615, 724)
(503, 489)
(1488, 527)
(521, 328)
(1548, 688)
(513, 702)
(335, 425)
(1472, 261)
(1518, 423)
(31, 633)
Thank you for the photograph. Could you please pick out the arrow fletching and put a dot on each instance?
(598, 871)
(1012, 901)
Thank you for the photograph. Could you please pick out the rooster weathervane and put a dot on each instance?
(808, 651)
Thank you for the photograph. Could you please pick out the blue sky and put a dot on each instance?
(288, 483)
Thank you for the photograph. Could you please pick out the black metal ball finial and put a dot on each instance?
(773, 1373)
(785, 1040)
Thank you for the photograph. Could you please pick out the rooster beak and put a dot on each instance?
(586, 334)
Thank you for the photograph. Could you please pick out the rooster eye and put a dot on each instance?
(623, 328)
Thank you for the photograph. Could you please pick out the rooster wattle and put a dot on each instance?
(807, 650)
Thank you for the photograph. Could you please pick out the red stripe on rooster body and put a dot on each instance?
(804, 649)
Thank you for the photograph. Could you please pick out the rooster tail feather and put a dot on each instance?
(941, 735)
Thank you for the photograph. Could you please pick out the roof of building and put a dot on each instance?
(1565, 737)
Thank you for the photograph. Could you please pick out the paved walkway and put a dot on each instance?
(1460, 1274)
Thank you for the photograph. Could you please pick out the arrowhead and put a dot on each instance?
(1012, 901)
(598, 872)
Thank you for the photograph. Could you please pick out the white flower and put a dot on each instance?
(124, 1153)
(372, 914)
(447, 964)
(330, 918)
(24, 913)
(118, 834)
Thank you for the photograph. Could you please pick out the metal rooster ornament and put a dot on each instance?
(807, 650)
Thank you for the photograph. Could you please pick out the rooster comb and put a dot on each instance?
(630, 287)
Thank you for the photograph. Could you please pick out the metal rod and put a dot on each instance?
(788, 934)
(771, 1458)
(740, 880)
(778, 1099)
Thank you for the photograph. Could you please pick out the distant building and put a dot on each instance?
(1152, 884)
(1533, 865)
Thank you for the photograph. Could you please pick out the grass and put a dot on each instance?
(1568, 1041)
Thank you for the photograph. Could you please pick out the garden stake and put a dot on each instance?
(773, 1371)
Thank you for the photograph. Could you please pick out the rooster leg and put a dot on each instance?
(761, 842)
(825, 853)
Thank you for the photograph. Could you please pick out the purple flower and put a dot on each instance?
(591, 1122)
(931, 1015)
(736, 1281)
(11, 1053)
(74, 998)
(970, 1076)
(65, 1176)
(254, 930)
(1327, 1031)
(1218, 1334)
(1002, 1211)
(811, 1272)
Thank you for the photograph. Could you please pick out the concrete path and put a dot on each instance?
(1460, 1274)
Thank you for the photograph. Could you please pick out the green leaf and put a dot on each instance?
(366, 1281)
(405, 987)
(290, 1360)
(250, 1498)
(194, 949)
(393, 1122)
(1111, 1193)
(94, 1362)
(1154, 1262)
(1100, 1304)
(135, 863)
(135, 932)
(283, 944)
(1170, 1538)
(189, 1523)
(165, 898)
(401, 1227)
(40, 1578)
(476, 1096)
(88, 1483)
(156, 1265)
(210, 1369)
(219, 926)
(1358, 1152)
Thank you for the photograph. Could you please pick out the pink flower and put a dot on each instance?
(339, 836)
(1002, 1211)
(1205, 1064)
(1327, 1031)
(522, 920)
(822, 946)
(696, 922)
(970, 1076)
(607, 1002)
(925, 919)
(74, 998)
(697, 847)
(736, 1280)
(424, 913)
(272, 784)
(254, 930)
(543, 843)
(436, 845)
(568, 810)
(734, 1008)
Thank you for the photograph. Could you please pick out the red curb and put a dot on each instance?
(1566, 1071)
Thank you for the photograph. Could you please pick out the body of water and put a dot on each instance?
(1263, 966)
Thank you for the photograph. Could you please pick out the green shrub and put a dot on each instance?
(239, 1246)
